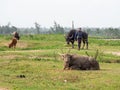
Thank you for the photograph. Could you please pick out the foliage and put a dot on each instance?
(7, 29)
(109, 32)
(57, 29)
(37, 26)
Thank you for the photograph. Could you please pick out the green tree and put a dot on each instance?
(57, 28)
(38, 27)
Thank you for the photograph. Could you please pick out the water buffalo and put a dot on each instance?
(79, 62)
(70, 37)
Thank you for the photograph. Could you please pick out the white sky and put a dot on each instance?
(91, 13)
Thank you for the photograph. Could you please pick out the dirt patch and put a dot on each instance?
(28, 51)
(21, 44)
(9, 56)
(4, 88)
(114, 53)
(4, 44)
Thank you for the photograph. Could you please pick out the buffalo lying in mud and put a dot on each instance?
(70, 37)
(76, 62)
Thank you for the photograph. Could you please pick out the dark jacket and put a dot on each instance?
(78, 35)
(16, 35)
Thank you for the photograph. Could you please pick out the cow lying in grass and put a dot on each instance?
(79, 62)
(13, 43)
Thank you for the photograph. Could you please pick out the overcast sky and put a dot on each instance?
(84, 13)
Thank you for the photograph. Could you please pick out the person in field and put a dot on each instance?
(16, 35)
(78, 37)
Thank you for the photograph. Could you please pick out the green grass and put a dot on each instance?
(36, 57)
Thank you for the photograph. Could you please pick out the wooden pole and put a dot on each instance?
(72, 24)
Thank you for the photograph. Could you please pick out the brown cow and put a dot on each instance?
(79, 62)
(13, 43)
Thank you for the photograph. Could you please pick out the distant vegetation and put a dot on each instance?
(112, 33)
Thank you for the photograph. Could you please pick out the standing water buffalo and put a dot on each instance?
(70, 37)
(79, 62)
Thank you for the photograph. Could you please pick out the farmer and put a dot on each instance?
(78, 37)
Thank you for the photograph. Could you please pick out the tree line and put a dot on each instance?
(58, 29)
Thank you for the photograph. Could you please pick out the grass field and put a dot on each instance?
(36, 65)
